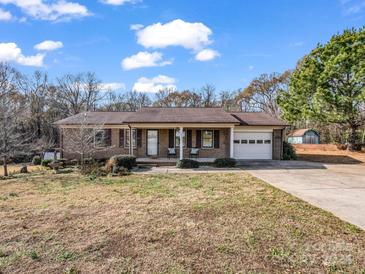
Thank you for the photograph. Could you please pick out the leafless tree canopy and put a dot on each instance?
(262, 92)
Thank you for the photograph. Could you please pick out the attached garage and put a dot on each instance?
(252, 145)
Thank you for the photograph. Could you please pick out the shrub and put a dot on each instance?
(187, 163)
(289, 152)
(36, 160)
(125, 161)
(224, 162)
(21, 158)
(46, 162)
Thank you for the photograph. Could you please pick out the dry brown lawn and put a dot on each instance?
(211, 223)
(15, 168)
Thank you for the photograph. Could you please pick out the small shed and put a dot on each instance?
(304, 136)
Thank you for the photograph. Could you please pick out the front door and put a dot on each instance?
(152, 142)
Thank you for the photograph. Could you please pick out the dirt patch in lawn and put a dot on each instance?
(181, 223)
(12, 169)
(328, 154)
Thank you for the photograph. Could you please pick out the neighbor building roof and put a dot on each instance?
(181, 115)
(300, 132)
(257, 119)
(95, 118)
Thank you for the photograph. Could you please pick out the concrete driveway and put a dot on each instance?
(337, 188)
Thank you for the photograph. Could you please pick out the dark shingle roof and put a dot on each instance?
(257, 119)
(95, 118)
(173, 115)
(181, 115)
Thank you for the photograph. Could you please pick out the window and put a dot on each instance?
(126, 137)
(207, 138)
(177, 138)
(267, 142)
(259, 142)
(243, 141)
(236, 141)
(101, 138)
(251, 142)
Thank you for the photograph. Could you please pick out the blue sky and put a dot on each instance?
(181, 43)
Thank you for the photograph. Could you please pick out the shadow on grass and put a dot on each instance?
(332, 159)
(277, 165)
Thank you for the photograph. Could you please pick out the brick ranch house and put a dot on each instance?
(156, 132)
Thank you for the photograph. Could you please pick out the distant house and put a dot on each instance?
(159, 132)
(304, 136)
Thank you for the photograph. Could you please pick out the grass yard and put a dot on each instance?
(202, 223)
(15, 168)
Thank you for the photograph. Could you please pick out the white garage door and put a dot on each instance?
(252, 145)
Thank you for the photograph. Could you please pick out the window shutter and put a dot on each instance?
(139, 137)
(109, 137)
(121, 137)
(171, 138)
(216, 138)
(189, 135)
(198, 138)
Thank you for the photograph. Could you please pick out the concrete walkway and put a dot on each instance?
(337, 188)
(174, 170)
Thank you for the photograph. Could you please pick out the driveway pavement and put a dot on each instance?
(337, 188)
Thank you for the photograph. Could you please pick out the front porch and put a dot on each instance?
(169, 143)
(170, 161)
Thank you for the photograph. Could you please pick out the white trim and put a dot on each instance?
(201, 139)
(231, 138)
(181, 152)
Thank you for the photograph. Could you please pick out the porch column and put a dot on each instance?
(130, 141)
(231, 142)
(181, 148)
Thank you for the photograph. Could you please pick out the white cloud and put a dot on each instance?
(155, 84)
(5, 15)
(136, 26)
(118, 2)
(112, 86)
(350, 7)
(251, 67)
(49, 45)
(193, 36)
(10, 52)
(296, 44)
(144, 59)
(206, 55)
(51, 11)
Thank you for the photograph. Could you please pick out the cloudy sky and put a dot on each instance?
(147, 45)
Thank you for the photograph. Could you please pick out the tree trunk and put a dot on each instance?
(352, 138)
(5, 165)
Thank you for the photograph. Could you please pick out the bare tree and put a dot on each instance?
(208, 96)
(227, 100)
(86, 139)
(129, 101)
(36, 90)
(12, 115)
(78, 93)
(262, 93)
